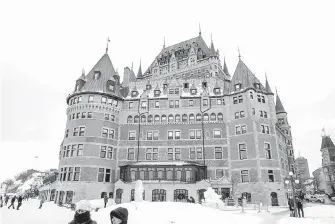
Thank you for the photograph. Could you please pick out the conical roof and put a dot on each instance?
(327, 142)
(212, 49)
(279, 105)
(267, 87)
(225, 68)
(106, 69)
(139, 73)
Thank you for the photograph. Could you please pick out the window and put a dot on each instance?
(251, 95)
(156, 133)
(237, 115)
(217, 133)
(170, 134)
(149, 118)
(253, 111)
(213, 117)
(235, 100)
(163, 119)
(151, 154)
(173, 154)
(204, 85)
(103, 152)
(267, 148)
(263, 99)
(103, 100)
(218, 153)
(96, 74)
(257, 86)
(76, 174)
(265, 114)
(259, 98)
(171, 103)
(90, 99)
(130, 119)
(205, 102)
(186, 85)
(177, 118)
(176, 91)
(89, 114)
(199, 152)
(132, 135)
(157, 93)
(244, 176)
(156, 104)
(133, 93)
(238, 130)
(240, 99)
(177, 135)
(190, 103)
(265, 129)
(243, 151)
(109, 100)
(218, 173)
(176, 103)
(143, 119)
(106, 117)
(67, 133)
(80, 150)
(101, 172)
(242, 114)
(184, 118)
(271, 176)
(149, 135)
(75, 131)
(193, 91)
(108, 133)
(206, 118)
(237, 87)
(217, 90)
(73, 149)
(219, 101)
(244, 129)
(131, 154)
(130, 105)
(157, 118)
(261, 113)
(220, 117)
(191, 118)
(144, 104)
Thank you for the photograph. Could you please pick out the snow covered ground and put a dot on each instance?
(164, 213)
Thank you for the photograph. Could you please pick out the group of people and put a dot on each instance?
(83, 214)
(299, 205)
(4, 200)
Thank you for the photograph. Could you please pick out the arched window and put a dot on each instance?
(220, 117)
(149, 118)
(206, 117)
(129, 119)
(143, 119)
(157, 118)
(163, 119)
(191, 117)
(213, 117)
(184, 119)
(170, 118)
(136, 119)
(177, 118)
(198, 117)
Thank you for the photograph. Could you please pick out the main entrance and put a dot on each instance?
(274, 199)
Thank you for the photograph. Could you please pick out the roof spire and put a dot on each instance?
(199, 30)
(279, 105)
(83, 71)
(239, 53)
(107, 45)
(139, 73)
(225, 68)
(132, 65)
(267, 85)
(164, 43)
(323, 132)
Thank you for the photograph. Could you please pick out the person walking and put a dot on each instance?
(105, 200)
(41, 202)
(6, 199)
(12, 203)
(300, 207)
(291, 206)
(19, 202)
(119, 216)
(1, 201)
(83, 213)
(192, 199)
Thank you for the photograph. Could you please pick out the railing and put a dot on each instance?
(190, 180)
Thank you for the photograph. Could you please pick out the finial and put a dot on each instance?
(239, 53)
(107, 45)
(211, 38)
(276, 90)
(164, 43)
(323, 132)
(266, 77)
(132, 65)
(199, 29)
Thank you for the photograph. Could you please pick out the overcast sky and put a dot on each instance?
(44, 47)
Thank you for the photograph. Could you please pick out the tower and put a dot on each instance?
(328, 162)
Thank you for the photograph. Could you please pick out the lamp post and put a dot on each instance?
(293, 190)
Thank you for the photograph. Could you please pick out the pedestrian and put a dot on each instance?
(41, 202)
(119, 216)
(82, 214)
(291, 206)
(1, 201)
(192, 200)
(19, 202)
(6, 199)
(105, 199)
(12, 202)
(300, 207)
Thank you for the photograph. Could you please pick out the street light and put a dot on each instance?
(293, 191)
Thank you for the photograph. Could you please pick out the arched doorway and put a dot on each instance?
(274, 199)
(158, 195)
(180, 194)
(118, 196)
(201, 195)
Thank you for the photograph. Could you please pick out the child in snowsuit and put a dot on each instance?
(83, 213)
(119, 216)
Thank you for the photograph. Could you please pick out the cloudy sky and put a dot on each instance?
(45, 45)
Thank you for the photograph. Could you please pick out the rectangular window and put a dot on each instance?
(199, 152)
(198, 134)
(263, 99)
(177, 153)
(261, 113)
(108, 175)
(259, 98)
(111, 133)
(244, 129)
(70, 174)
(89, 114)
(110, 153)
(238, 130)
(242, 114)
(205, 102)
(78, 115)
(67, 133)
(130, 105)
(170, 153)
(271, 176)
(75, 131)
(73, 149)
(101, 172)
(176, 103)
(80, 150)
(103, 152)
(149, 135)
(90, 99)
(253, 111)
(83, 115)
(217, 133)
(218, 173)
(64, 174)
(243, 151)
(191, 103)
(104, 133)
(262, 128)
(176, 91)
(144, 104)
(245, 176)
(235, 100)
(82, 131)
(267, 131)
(192, 153)
(132, 135)
(76, 174)
(177, 135)
(192, 134)
(170, 134)
(106, 117)
(156, 135)
(171, 91)
(237, 115)
(251, 95)
(109, 101)
(113, 118)
(218, 153)
(103, 100)
(171, 103)
(156, 104)
(151, 154)
(267, 150)
(219, 101)
(265, 114)
(131, 154)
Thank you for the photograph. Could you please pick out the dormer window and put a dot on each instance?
(257, 86)
(193, 91)
(237, 87)
(186, 85)
(148, 87)
(171, 91)
(157, 92)
(204, 85)
(176, 91)
(165, 86)
(217, 90)
(133, 93)
(97, 74)
(111, 87)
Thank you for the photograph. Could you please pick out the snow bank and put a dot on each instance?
(99, 203)
(139, 191)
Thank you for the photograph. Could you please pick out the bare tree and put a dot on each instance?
(9, 183)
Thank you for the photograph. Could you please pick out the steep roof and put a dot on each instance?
(106, 69)
(225, 68)
(267, 86)
(245, 77)
(139, 73)
(279, 105)
(327, 142)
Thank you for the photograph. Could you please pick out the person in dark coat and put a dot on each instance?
(291, 206)
(41, 202)
(300, 207)
(6, 199)
(119, 216)
(105, 200)
(12, 203)
(192, 200)
(82, 214)
(19, 202)
(1, 201)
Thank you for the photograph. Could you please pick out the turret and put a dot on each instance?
(81, 81)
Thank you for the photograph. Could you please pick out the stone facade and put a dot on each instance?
(184, 107)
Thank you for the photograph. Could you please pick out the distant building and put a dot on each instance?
(302, 168)
(183, 125)
(320, 180)
(328, 162)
